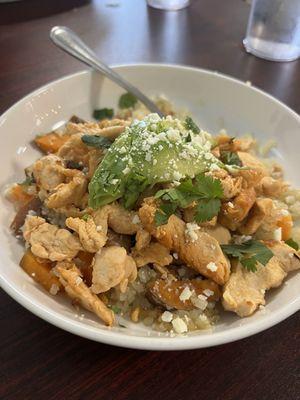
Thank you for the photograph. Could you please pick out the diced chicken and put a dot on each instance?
(227, 143)
(202, 252)
(75, 150)
(257, 214)
(112, 267)
(70, 277)
(272, 187)
(234, 212)
(256, 170)
(122, 220)
(91, 236)
(168, 292)
(154, 253)
(220, 233)
(107, 128)
(48, 172)
(48, 241)
(142, 239)
(275, 218)
(245, 290)
(231, 186)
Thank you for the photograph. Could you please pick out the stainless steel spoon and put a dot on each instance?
(71, 43)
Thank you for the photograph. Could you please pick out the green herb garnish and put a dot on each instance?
(127, 100)
(230, 158)
(249, 253)
(205, 191)
(85, 217)
(103, 113)
(135, 185)
(115, 309)
(96, 141)
(163, 214)
(291, 242)
(190, 124)
(29, 180)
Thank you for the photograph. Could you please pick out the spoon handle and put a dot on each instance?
(71, 43)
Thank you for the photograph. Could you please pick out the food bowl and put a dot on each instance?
(216, 102)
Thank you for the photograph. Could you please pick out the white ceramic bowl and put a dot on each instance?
(216, 101)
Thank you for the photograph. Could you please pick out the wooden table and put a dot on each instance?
(39, 361)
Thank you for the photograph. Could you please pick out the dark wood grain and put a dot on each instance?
(39, 361)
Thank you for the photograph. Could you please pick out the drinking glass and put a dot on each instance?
(273, 30)
(170, 5)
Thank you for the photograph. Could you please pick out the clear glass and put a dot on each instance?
(168, 4)
(273, 30)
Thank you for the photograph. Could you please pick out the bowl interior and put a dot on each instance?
(216, 102)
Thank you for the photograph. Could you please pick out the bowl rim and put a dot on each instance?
(108, 336)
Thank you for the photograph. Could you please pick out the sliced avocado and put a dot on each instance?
(150, 151)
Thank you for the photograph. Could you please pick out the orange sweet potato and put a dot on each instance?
(39, 270)
(51, 142)
(19, 196)
(285, 223)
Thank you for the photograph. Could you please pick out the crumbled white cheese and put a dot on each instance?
(208, 156)
(148, 157)
(154, 161)
(179, 325)
(277, 234)
(78, 281)
(173, 134)
(185, 294)
(200, 302)
(284, 212)
(54, 289)
(230, 204)
(33, 274)
(191, 230)
(208, 292)
(175, 255)
(136, 219)
(98, 228)
(126, 171)
(212, 267)
(122, 150)
(177, 175)
(114, 181)
(167, 316)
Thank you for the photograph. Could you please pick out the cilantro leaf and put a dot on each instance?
(85, 217)
(135, 185)
(163, 214)
(230, 158)
(291, 242)
(103, 113)
(249, 253)
(96, 141)
(191, 125)
(29, 180)
(205, 191)
(127, 100)
(207, 209)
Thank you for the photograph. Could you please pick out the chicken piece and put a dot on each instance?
(48, 241)
(227, 143)
(220, 233)
(100, 216)
(234, 212)
(245, 290)
(168, 292)
(257, 214)
(75, 150)
(231, 186)
(122, 220)
(112, 267)
(272, 187)
(275, 218)
(201, 252)
(154, 253)
(70, 277)
(48, 172)
(142, 238)
(107, 128)
(71, 193)
(256, 170)
(91, 236)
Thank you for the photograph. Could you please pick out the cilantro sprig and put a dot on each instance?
(103, 113)
(291, 242)
(127, 100)
(190, 124)
(230, 158)
(249, 253)
(205, 191)
(96, 141)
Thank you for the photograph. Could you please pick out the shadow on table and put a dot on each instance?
(26, 10)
